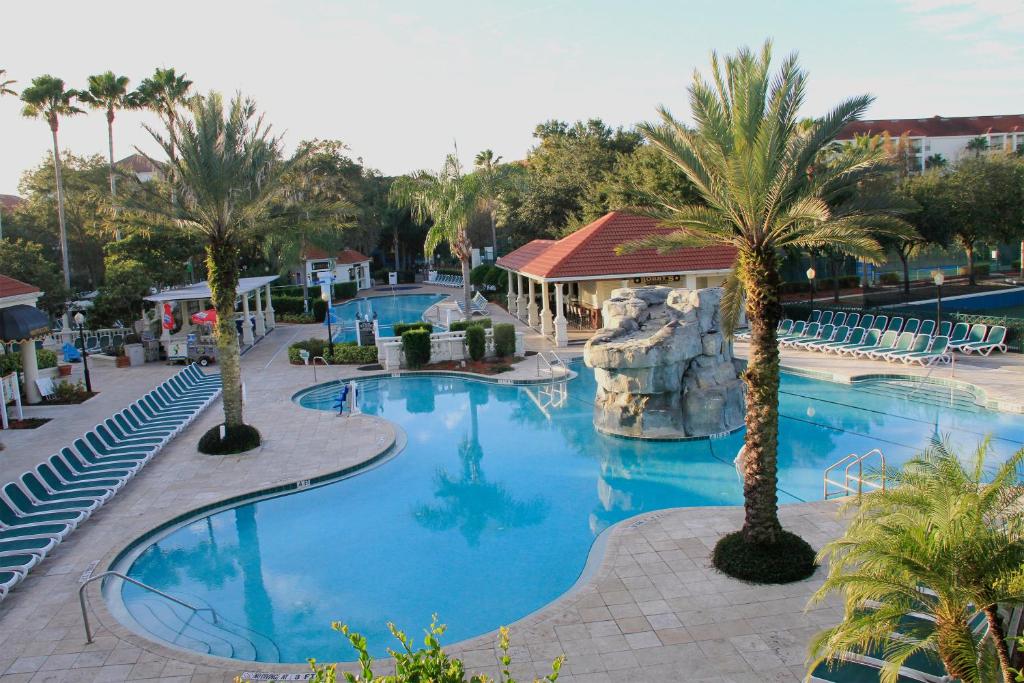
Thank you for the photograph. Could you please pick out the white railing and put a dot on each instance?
(854, 480)
(549, 361)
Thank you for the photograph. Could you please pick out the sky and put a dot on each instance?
(402, 81)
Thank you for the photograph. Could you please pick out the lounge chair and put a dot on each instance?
(902, 343)
(883, 340)
(102, 450)
(796, 331)
(959, 334)
(39, 545)
(826, 318)
(920, 344)
(912, 326)
(13, 516)
(975, 336)
(23, 503)
(118, 464)
(927, 327)
(55, 482)
(55, 530)
(69, 465)
(40, 492)
(19, 562)
(857, 336)
(880, 322)
(9, 578)
(996, 341)
(841, 334)
(867, 320)
(825, 333)
(938, 352)
(814, 317)
(895, 324)
(944, 327)
(839, 318)
(852, 320)
(809, 332)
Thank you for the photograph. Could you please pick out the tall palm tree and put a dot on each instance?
(165, 92)
(48, 99)
(449, 200)
(761, 190)
(487, 167)
(109, 92)
(227, 174)
(946, 540)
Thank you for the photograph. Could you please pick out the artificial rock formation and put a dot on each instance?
(663, 368)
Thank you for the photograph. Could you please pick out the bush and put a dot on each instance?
(70, 392)
(344, 290)
(463, 325)
(504, 340)
(416, 344)
(789, 559)
(286, 290)
(497, 278)
(478, 275)
(476, 342)
(298, 318)
(236, 440)
(890, 278)
(11, 361)
(316, 347)
(319, 308)
(399, 328)
(351, 353)
(288, 305)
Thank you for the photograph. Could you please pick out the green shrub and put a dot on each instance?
(69, 392)
(286, 290)
(344, 290)
(497, 278)
(416, 345)
(504, 340)
(316, 347)
(478, 276)
(351, 353)
(288, 305)
(476, 342)
(319, 308)
(890, 278)
(399, 328)
(236, 440)
(462, 325)
(789, 559)
(429, 663)
(11, 361)
(298, 318)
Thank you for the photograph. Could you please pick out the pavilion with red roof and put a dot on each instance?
(582, 269)
(21, 324)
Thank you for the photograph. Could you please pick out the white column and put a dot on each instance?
(246, 327)
(533, 320)
(29, 366)
(691, 281)
(545, 313)
(186, 319)
(261, 324)
(521, 300)
(271, 320)
(511, 295)
(561, 324)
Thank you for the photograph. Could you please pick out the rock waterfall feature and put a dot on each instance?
(663, 368)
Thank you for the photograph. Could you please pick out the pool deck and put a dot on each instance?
(650, 608)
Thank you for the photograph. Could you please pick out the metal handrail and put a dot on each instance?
(313, 363)
(85, 614)
(850, 461)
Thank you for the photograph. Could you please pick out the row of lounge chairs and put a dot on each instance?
(890, 339)
(443, 280)
(478, 304)
(42, 506)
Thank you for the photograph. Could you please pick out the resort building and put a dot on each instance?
(21, 324)
(348, 265)
(948, 136)
(558, 285)
(143, 168)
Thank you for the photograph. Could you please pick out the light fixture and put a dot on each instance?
(811, 273)
(938, 278)
(79, 319)
(325, 295)
(995, 254)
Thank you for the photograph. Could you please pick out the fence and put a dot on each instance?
(1014, 326)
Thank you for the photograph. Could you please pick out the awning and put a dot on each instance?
(22, 322)
(201, 291)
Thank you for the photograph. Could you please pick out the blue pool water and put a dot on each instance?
(489, 512)
(404, 308)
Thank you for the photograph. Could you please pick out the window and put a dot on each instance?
(321, 265)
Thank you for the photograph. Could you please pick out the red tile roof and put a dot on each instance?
(343, 257)
(936, 126)
(11, 201)
(590, 252)
(11, 287)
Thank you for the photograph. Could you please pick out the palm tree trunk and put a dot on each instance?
(760, 275)
(113, 176)
(969, 250)
(467, 289)
(222, 272)
(906, 275)
(995, 630)
(494, 235)
(65, 263)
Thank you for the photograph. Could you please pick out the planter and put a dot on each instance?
(123, 362)
(63, 370)
(135, 353)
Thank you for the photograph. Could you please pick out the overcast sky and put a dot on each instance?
(398, 81)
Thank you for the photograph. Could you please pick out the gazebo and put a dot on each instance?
(248, 287)
(21, 324)
(583, 270)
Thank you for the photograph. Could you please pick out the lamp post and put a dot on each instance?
(810, 276)
(938, 278)
(325, 294)
(80, 321)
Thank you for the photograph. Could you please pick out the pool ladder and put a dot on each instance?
(854, 481)
(548, 361)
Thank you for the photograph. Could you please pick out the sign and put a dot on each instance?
(177, 349)
(366, 336)
(392, 278)
(657, 279)
(168, 319)
(304, 355)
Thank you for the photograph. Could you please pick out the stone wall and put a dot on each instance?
(663, 368)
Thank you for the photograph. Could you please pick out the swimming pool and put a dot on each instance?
(403, 308)
(489, 512)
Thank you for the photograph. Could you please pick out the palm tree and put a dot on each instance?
(110, 93)
(48, 99)
(487, 167)
(946, 540)
(762, 190)
(228, 174)
(164, 92)
(448, 199)
(5, 84)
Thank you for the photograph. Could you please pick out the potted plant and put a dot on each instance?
(123, 361)
(64, 369)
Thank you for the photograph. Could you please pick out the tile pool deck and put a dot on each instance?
(652, 610)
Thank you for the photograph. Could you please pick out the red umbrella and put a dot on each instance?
(207, 317)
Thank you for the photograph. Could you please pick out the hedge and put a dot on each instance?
(478, 276)
(462, 325)
(11, 361)
(350, 353)
(504, 340)
(399, 328)
(476, 342)
(316, 347)
(345, 290)
(416, 344)
(497, 278)
(319, 307)
(289, 305)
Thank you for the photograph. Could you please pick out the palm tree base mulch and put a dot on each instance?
(787, 560)
(236, 439)
(28, 423)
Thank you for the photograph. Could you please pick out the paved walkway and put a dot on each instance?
(652, 609)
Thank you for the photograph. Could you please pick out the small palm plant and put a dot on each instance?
(227, 173)
(947, 540)
(449, 199)
(762, 189)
